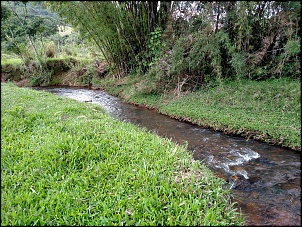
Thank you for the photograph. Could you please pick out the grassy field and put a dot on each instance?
(68, 163)
(269, 111)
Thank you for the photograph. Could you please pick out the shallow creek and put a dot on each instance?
(271, 192)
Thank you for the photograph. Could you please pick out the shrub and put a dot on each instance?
(50, 51)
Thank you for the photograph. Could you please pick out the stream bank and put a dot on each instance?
(126, 90)
(265, 179)
(268, 111)
(69, 163)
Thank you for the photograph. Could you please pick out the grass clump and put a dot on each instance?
(68, 163)
(10, 59)
(267, 110)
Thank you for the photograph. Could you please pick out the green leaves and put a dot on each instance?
(292, 47)
(155, 46)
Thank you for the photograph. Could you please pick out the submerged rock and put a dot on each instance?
(238, 181)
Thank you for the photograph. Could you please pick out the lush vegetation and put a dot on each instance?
(184, 45)
(68, 163)
(192, 43)
(123, 35)
(269, 110)
(230, 65)
(31, 35)
(22, 26)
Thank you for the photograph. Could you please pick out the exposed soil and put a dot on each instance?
(63, 73)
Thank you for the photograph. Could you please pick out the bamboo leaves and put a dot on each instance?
(120, 29)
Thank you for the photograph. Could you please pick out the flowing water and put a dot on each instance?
(271, 190)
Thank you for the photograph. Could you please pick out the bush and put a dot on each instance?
(50, 51)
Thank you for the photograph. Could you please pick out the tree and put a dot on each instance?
(21, 24)
(121, 30)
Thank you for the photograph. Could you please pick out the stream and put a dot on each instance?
(270, 194)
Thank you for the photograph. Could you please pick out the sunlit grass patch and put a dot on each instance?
(68, 163)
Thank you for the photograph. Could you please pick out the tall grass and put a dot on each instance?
(68, 163)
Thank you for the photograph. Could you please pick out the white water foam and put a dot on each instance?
(234, 157)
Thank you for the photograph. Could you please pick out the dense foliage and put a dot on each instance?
(23, 23)
(188, 44)
(170, 45)
(121, 30)
(31, 35)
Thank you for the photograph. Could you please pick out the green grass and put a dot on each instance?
(7, 59)
(269, 111)
(68, 163)
(12, 59)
